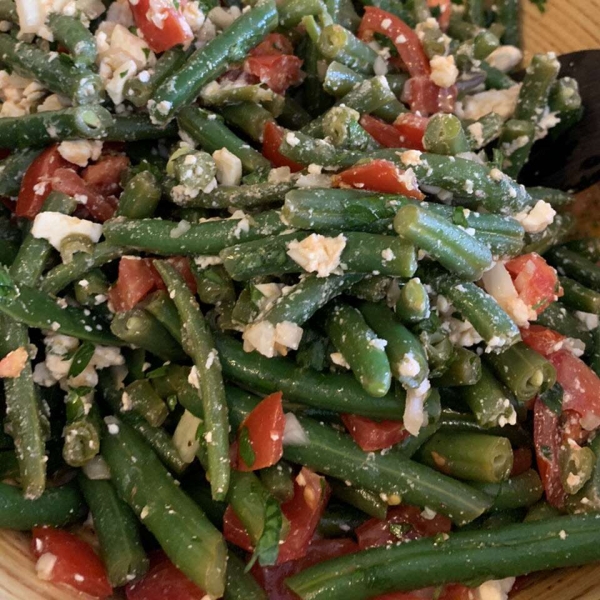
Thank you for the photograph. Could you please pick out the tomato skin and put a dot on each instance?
(521, 461)
(410, 50)
(272, 138)
(77, 565)
(372, 435)
(542, 340)
(381, 175)
(105, 175)
(272, 579)
(40, 171)
(445, 11)
(383, 133)
(535, 281)
(265, 425)
(163, 581)
(234, 531)
(277, 71)
(97, 206)
(546, 438)
(426, 98)
(182, 264)
(174, 30)
(273, 44)
(411, 128)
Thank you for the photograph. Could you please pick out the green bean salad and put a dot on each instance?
(277, 317)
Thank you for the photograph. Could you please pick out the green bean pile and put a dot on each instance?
(270, 289)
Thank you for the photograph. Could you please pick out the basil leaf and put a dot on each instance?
(246, 451)
(267, 549)
(553, 398)
(81, 358)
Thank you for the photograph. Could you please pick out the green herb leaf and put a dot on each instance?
(246, 451)
(458, 217)
(399, 530)
(553, 398)
(267, 549)
(158, 372)
(81, 358)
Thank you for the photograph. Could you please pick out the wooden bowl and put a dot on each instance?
(567, 25)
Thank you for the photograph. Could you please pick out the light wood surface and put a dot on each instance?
(566, 26)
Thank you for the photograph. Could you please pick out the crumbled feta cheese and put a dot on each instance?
(120, 12)
(588, 319)
(293, 432)
(409, 366)
(182, 228)
(13, 363)
(271, 340)
(224, 17)
(55, 227)
(546, 122)
(410, 157)
(54, 102)
(45, 566)
(194, 378)
(380, 66)
(378, 343)
(229, 167)
(19, 94)
(194, 16)
(317, 253)
(537, 218)
(184, 437)
(80, 152)
(476, 130)
(496, 174)
(207, 261)
(494, 590)
(280, 175)
(443, 71)
(270, 293)
(502, 102)
(505, 58)
(291, 139)
(461, 333)
(337, 358)
(388, 255)
(414, 415)
(318, 180)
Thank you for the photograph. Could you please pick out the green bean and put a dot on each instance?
(412, 305)
(525, 372)
(291, 12)
(480, 133)
(339, 519)
(533, 96)
(497, 194)
(214, 285)
(209, 238)
(186, 535)
(293, 114)
(516, 141)
(140, 397)
(117, 530)
(333, 453)
(363, 500)
(75, 37)
(556, 233)
(404, 350)
(56, 507)
(249, 117)
(558, 318)
(445, 135)
(138, 92)
(579, 268)
(344, 13)
(436, 343)
(137, 127)
(198, 344)
(588, 498)
(514, 549)
(140, 328)
(12, 169)
(479, 308)
(507, 12)
(140, 197)
(489, 400)
(576, 466)
(341, 80)
(461, 29)
(341, 126)
(278, 480)
(338, 392)
(360, 347)
(210, 61)
(451, 246)
(469, 456)
(464, 370)
(524, 490)
(579, 297)
(81, 85)
(82, 429)
(40, 129)
(208, 130)
(373, 288)
(565, 100)
(305, 150)
(241, 585)
(541, 511)
(557, 198)
(340, 44)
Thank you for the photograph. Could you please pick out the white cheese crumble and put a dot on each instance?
(55, 227)
(588, 319)
(317, 253)
(502, 102)
(45, 565)
(272, 340)
(505, 58)
(229, 167)
(494, 590)
(409, 366)
(414, 415)
(293, 432)
(410, 157)
(280, 175)
(337, 358)
(443, 71)
(80, 152)
(536, 219)
(184, 436)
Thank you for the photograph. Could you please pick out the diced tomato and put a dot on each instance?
(304, 512)
(521, 461)
(35, 186)
(580, 384)
(402, 36)
(277, 71)
(69, 182)
(376, 532)
(272, 138)
(383, 133)
(273, 44)
(134, 282)
(4, 153)
(571, 428)
(456, 591)
(272, 579)
(182, 264)
(445, 7)
(65, 558)
(105, 175)
(546, 437)
(374, 435)
(535, 281)
(381, 176)
(161, 23)
(542, 340)
(265, 425)
(411, 128)
(13, 363)
(163, 581)
(426, 98)
(234, 531)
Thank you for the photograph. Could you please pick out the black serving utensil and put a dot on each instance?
(571, 161)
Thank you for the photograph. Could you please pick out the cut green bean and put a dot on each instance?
(464, 370)
(340, 44)
(445, 135)
(140, 197)
(579, 297)
(524, 490)
(75, 37)
(364, 500)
